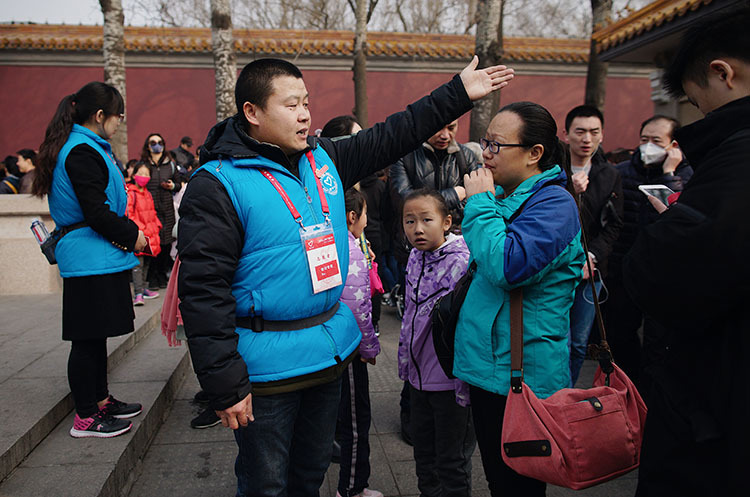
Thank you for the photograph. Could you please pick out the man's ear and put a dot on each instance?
(251, 113)
(724, 71)
(565, 135)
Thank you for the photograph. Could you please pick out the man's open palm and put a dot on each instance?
(481, 82)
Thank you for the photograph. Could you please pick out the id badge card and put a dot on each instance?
(322, 258)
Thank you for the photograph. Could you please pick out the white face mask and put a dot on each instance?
(651, 153)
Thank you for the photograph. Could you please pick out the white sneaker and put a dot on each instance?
(368, 492)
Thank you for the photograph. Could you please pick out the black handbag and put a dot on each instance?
(444, 316)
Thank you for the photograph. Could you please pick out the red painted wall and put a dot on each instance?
(178, 102)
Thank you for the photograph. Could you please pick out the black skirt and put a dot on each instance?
(98, 306)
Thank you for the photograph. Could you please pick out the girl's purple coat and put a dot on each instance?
(356, 296)
(429, 275)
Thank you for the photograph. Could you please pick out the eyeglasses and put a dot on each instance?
(155, 143)
(121, 117)
(495, 146)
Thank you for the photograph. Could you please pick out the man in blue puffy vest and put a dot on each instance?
(262, 240)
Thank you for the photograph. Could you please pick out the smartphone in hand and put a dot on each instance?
(661, 192)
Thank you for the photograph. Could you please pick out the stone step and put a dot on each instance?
(39, 406)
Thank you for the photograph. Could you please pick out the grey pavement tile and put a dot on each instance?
(176, 429)
(190, 470)
(54, 363)
(23, 403)
(396, 449)
(386, 417)
(406, 478)
(79, 480)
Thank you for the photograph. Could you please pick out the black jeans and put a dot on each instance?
(444, 441)
(354, 429)
(87, 374)
(488, 409)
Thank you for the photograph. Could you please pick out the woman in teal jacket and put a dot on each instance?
(522, 229)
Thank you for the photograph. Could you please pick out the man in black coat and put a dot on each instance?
(599, 189)
(658, 160)
(439, 163)
(689, 271)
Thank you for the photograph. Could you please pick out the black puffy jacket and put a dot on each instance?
(426, 167)
(639, 212)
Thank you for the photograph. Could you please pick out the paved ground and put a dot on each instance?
(188, 462)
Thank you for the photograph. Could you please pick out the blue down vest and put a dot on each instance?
(84, 252)
(272, 279)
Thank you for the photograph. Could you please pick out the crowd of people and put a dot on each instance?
(282, 349)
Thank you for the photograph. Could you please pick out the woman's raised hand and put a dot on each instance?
(481, 82)
(479, 181)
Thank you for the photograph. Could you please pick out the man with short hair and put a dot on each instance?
(658, 160)
(26, 158)
(689, 271)
(182, 154)
(264, 247)
(439, 163)
(599, 189)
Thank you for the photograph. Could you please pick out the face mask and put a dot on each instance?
(651, 153)
(156, 148)
(141, 181)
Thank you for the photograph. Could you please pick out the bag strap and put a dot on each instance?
(602, 351)
(516, 339)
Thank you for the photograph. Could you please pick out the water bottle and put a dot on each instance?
(40, 231)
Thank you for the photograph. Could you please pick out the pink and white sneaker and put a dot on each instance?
(99, 425)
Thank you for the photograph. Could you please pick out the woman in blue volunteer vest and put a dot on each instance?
(87, 195)
(522, 229)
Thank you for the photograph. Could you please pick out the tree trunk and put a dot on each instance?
(225, 60)
(489, 48)
(360, 63)
(596, 75)
(113, 49)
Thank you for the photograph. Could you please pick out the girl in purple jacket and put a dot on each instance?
(354, 409)
(440, 426)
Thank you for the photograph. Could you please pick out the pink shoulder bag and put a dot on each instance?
(575, 438)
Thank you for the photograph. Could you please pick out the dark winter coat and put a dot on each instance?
(212, 238)
(374, 190)
(602, 209)
(164, 171)
(638, 212)
(426, 167)
(689, 271)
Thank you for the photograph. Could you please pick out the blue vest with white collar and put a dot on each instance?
(84, 252)
(272, 279)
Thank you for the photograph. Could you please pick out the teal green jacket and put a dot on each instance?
(540, 250)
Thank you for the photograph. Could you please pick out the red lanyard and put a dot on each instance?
(288, 201)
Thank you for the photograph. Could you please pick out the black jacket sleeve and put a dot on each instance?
(612, 219)
(383, 144)
(399, 181)
(209, 246)
(89, 175)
